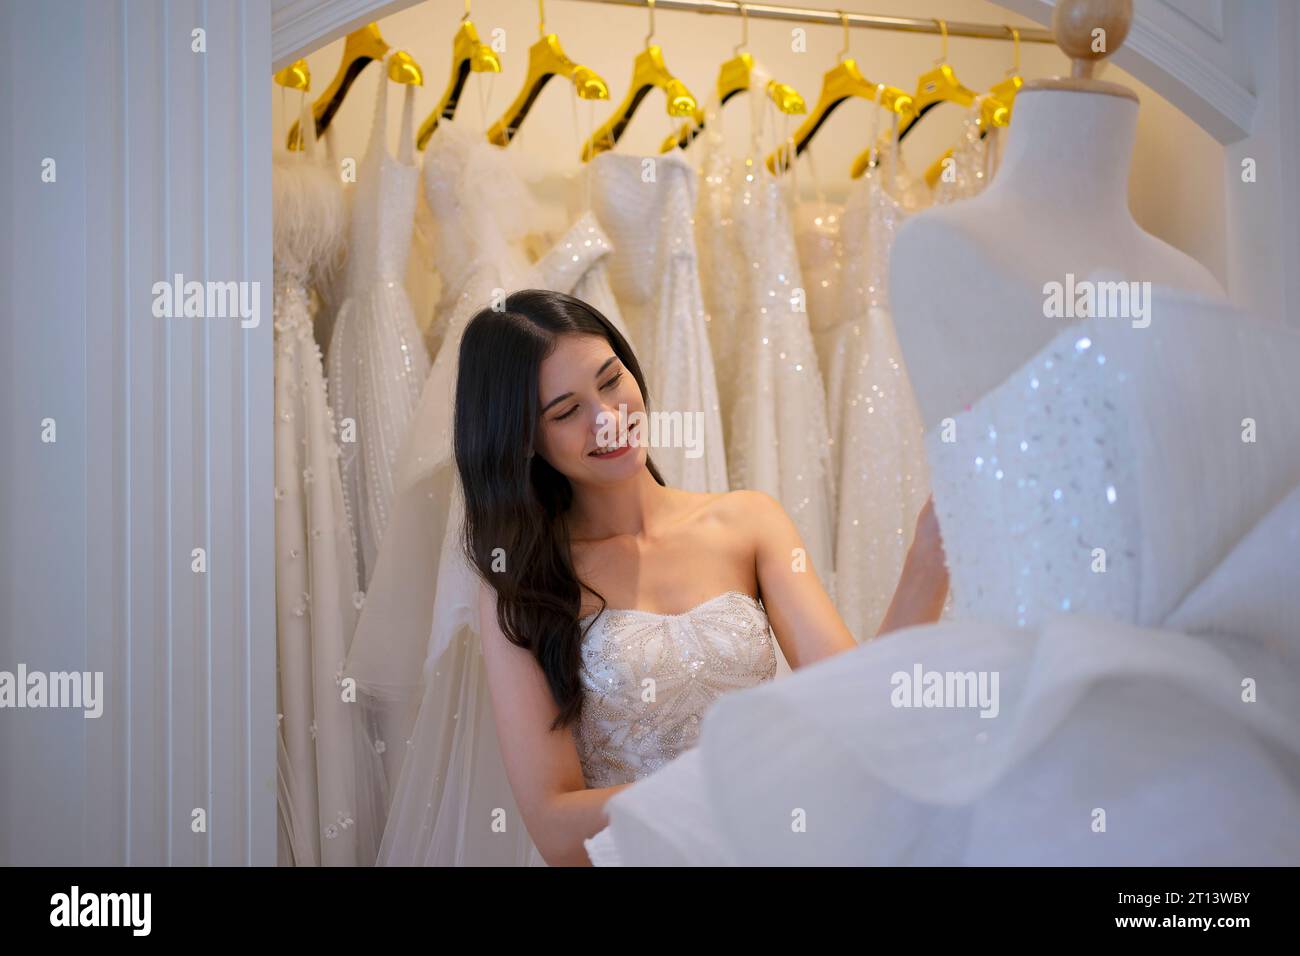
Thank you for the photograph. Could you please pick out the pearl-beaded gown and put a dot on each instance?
(1119, 686)
(377, 359)
(331, 790)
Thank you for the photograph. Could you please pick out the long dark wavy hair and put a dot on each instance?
(516, 533)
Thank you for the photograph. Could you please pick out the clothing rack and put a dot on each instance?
(768, 11)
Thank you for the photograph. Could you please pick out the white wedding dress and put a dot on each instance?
(973, 161)
(646, 206)
(330, 781)
(416, 654)
(1146, 714)
(690, 659)
(821, 261)
(770, 386)
(881, 473)
(377, 359)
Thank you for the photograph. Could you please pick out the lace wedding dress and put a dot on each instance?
(377, 360)
(330, 781)
(1121, 685)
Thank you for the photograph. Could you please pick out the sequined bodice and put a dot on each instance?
(1037, 495)
(649, 678)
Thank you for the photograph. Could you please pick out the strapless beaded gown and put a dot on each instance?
(1122, 557)
(687, 660)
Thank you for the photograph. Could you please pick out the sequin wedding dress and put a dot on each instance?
(773, 400)
(415, 654)
(1121, 683)
(971, 164)
(377, 360)
(330, 782)
(879, 460)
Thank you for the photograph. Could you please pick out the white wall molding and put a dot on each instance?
(300, 26)
(164, 433)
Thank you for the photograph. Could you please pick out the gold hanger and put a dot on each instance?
(938, 85)
(360, 48)
(1001, 97)
(402, 69)
(468, 54)
(546, 58)
(734, 77)
(648, 71)
(840, 82)
(995, 107)
(295, 76)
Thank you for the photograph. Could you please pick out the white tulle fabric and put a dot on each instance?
(377, 359)
(770, 386)
(330, 783)
(1156, 721)
(416, 653)
(646, 206)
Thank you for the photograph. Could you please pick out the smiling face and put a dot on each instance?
(587, 398)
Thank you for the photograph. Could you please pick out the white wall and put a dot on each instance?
(163, 432)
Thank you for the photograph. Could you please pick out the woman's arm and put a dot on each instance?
(923, 584)
(542, 765)
(803, 617)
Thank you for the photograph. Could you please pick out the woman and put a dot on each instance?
(614, 609)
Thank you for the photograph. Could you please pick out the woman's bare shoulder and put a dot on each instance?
(750, 514)
(744, 505)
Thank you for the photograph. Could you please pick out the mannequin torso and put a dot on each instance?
(966, 279)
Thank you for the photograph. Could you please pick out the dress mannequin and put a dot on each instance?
(966, 279)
